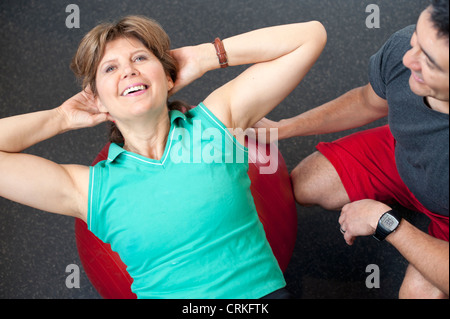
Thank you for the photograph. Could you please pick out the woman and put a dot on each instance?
(169, 200)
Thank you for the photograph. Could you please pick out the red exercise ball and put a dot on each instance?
(274, 203)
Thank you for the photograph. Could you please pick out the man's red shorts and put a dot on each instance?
(365, 162)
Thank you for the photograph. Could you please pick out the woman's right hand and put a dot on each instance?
(81, 111)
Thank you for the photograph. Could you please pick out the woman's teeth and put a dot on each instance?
(133, 89)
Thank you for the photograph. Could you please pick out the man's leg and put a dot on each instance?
(357, 166)
(415, 286)
(316, 182)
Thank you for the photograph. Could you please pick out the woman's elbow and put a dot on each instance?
(319, 33)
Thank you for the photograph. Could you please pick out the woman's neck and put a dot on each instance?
(148, 139)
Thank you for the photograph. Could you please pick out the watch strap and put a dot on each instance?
(221, 53)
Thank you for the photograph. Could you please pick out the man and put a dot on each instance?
(405, 162)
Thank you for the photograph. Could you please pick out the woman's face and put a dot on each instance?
(130, 80)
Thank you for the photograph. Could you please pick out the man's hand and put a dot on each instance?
(361, 218)
(263, 127)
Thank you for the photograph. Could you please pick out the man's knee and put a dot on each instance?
(300, 185)
(305, 183)
(316, 182)
(415, 286)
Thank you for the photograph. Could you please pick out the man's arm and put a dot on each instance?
(430, 256)
(353, 109)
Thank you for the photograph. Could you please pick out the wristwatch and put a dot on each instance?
(387, 224)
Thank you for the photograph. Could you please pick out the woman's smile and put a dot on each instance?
(135, 90)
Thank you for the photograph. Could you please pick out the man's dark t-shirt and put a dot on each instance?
(421, 134)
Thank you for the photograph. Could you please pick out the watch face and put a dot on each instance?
(389, 222)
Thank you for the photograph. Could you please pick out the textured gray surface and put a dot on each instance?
(35, 51)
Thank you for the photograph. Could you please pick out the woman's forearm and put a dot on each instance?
(272, 42)
(258, 46)
(261, 45)
(22, 131)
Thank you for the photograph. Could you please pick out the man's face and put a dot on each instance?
(428, 61)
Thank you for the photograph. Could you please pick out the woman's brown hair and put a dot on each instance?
(92, 47)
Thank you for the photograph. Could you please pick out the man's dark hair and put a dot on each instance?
(440, 16)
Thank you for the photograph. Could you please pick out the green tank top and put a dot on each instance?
(186, 226)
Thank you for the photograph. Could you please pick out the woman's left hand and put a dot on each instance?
(190, 66)
(361, 218)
